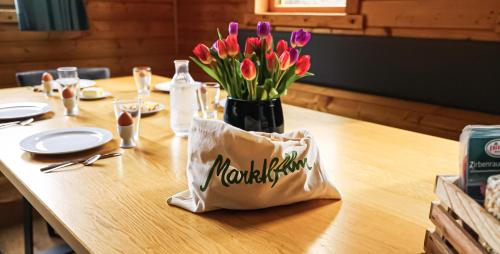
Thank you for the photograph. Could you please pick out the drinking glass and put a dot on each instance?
(208, 94)
(69, 89)
(128, 114)
(142, 77)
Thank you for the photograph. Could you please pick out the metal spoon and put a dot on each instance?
(91, 160)
(21, 123)
(87, 162)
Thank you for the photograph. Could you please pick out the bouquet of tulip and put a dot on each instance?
(263, 71)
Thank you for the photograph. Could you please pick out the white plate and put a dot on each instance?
(21, 110)
(67, 140)
(104, 95)
(84, 83)
(163, 86)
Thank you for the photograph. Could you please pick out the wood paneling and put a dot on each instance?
(121, 34)
(437, 19)
(420, 117)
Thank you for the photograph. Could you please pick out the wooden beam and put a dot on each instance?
(497, 24)
(352, 6)
(431, 14)
(308, 20)
(7, 2)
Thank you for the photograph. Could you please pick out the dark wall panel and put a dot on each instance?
(461, 74)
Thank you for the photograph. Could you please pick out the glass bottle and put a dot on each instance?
(182, 99)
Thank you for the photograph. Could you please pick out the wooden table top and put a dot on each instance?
(385, 175)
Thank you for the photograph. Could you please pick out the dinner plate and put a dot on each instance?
(163, 86)
(84, 83)
(104, 95)
(66, 140)
(21, 110)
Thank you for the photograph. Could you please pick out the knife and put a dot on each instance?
(71, 162)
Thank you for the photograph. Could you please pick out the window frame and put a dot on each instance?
(273, 6)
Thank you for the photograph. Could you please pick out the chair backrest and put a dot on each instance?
(33, 78)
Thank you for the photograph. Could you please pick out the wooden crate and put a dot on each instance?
(459, 222)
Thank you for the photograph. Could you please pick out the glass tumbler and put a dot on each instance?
(208, 94)
(128, 117)
(142, 77)
(69, 89)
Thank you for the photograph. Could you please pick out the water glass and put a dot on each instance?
(128, 117)
(142, 77)
(69, 89)
(208, 94)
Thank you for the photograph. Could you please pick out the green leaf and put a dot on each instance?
(218, 34)
(206, 69)
(264, 95)
(273, 93)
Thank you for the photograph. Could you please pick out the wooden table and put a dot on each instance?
(386, 176)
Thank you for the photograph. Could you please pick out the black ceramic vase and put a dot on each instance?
(264, 116)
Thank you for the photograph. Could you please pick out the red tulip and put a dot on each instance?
(251, 45)
(233, 48)
(285, 61)
(281, 47)
(248, 70)
(303, 65)
(203, 53)
(221, 49)
(269, 42)
(271, 61)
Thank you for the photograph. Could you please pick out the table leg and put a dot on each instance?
(28, 227)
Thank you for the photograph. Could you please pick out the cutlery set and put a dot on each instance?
(85, 161)
(21, 123)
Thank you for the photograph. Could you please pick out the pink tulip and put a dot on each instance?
(221, 49)
(269, 42)
(281, 47)
(285, 61)
(251, 45)
(233, 48)
(248, 70)
(303, 65)
(271, 61)
(203, 53)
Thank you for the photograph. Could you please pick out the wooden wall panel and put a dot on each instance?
(122, 34)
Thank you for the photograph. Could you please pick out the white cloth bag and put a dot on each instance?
(225, 169)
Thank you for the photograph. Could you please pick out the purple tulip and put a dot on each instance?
(233, 28)
(263, 29)
(294, 56)
(300, 38)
